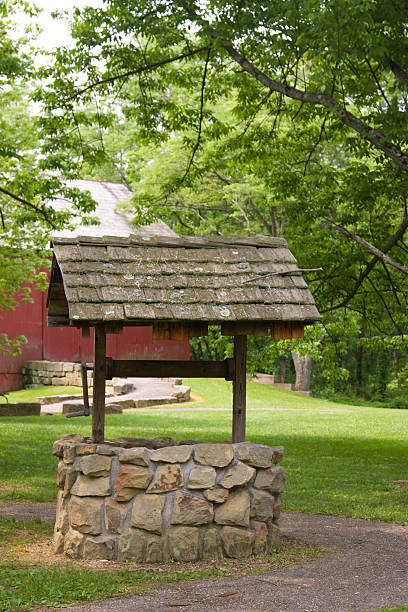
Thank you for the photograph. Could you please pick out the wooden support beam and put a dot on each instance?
(286, 330)
(123, 368)
(98, 416)
(178, 330)
(239, 390)
(244, 328)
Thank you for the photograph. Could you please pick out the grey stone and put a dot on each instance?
(201, 477)
(258, 455)
(94, 465)
(135, 456)
(238, 475)
(62, 517)
(272, 479)
(218, 455)
(100, 547)
(273, 536)
(235, 511)
(191, 510)
(131, 546)
(172, 454)
(104, 449)
(73, 544)
(261, 505)
(167, 478)
(153, 548)
(183, 543)
(89, 487)
(85, 514)
(237, 542)
(211, 547)
(58, 543)
(147, 512)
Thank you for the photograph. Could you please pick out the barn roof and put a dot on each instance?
(164, 278)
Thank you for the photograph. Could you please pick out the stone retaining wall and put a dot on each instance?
(155, 500)
(41, 373)
(20, 409)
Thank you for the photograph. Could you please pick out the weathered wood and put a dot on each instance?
(244, 328)
(287, 330)
(57, 321)
(114, 328)
(98, 416)
(189, 369)
(86, 331)
(239, 390)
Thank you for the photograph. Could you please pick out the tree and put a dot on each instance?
(322, 87)
(32, 174)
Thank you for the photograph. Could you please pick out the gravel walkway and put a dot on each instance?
(365, 568)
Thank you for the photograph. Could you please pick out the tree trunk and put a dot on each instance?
(282, 369)
(303, 368)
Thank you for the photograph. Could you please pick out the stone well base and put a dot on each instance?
(154, 500)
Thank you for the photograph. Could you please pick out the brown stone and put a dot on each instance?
(218, 496)
(166, 478)
(147, 512)
(60, 475)
(212, 548)
(201, 477)
(115, 515)
(131, 546)
(235, 511)
(238, 475)
(191, 510)
(94, 465)
(73, 544)
(258, 455)
(58, 543)
(72, 437)
(183, 543)
(62, 517)
(131, 476)
(218, 455)
(261, 505)
(278, 452)
(136, 456)
(100, 547)
(126, 493)
(172, 454)
(70, 477)
(237, 542)
(70, 453)
(277, 507)
(91, 487)
(86, 449)
(85, 514)
(273, 536)
(260, 543)
(273, 479)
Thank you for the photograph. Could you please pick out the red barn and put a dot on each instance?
(66, 344)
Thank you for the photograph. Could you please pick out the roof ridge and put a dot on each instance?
(176, 241)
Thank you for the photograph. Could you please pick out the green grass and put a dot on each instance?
(26, 584)
(339, 459)
(30, 395)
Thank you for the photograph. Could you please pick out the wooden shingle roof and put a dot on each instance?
(164, 278)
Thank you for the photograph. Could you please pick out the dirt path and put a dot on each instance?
(365, 568)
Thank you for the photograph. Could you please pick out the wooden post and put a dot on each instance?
(98, 416)
(239, 389)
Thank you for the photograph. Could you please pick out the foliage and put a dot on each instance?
(290, 117)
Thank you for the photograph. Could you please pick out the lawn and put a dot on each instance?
(30, 395)
(339, 459)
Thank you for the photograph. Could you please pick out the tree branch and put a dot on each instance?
(124, 75)
(370, 247)
(401, 74)
(200, 124)
(368, 133)
(29, 204)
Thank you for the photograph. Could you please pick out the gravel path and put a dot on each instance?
(365, 568)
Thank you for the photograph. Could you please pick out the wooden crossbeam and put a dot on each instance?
(124, 368)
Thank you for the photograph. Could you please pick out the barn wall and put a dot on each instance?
(66, 343)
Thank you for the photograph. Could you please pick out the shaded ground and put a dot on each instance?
(365, 568)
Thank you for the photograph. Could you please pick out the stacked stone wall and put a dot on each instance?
(43, 373)
(155, 500)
